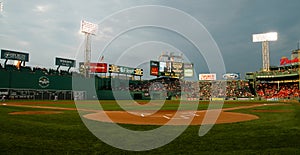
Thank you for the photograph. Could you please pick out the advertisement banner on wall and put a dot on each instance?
(98, 67)
(113, 69)
(188, 69)
(126, 70)
(123, 70)
(65, 62)
(13, 55)
(154, 68)
(231, 76)
(94, 67)
(138, 72)
(207, 77)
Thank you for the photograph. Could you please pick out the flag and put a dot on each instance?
(18, 65)
(101, 58)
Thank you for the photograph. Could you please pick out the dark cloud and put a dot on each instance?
(51, 28)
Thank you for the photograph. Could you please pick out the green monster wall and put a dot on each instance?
(94, 87)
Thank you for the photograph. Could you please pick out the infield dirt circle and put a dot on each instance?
(169, 117)
(176, 117)
(164, 117)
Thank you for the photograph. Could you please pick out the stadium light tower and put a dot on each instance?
(88, 29)
(265, 38)
(171, 57)
(1, 7)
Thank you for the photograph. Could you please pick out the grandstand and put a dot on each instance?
(281, 82)
(24, 82)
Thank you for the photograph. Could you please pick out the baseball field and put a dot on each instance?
(243, 127)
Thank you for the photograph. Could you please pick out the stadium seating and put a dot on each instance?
(275, 90)
(171, 87)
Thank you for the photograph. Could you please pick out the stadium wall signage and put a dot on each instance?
(98, 67)
(188, 70)
(138, 72)
(13, 55)
(286, 61)
(209, 77)
(64, 62)
(125, 70)
(44, 82)
(231, 76)
(114, 69)
(154, 68)
(94, 67)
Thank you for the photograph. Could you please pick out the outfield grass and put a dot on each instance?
(273, 133)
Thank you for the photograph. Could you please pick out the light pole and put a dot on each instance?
(265, 38)
(88, 29)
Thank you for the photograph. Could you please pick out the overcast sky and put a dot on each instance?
(49, 29)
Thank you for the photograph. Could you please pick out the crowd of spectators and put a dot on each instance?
(203, 90)
(275, 90)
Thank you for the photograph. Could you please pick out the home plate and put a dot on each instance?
(4, 104)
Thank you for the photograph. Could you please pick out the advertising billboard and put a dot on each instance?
(98, 67)
(13, 55)
(126, 70)
(94, 67)
(113, 69)
(64, 62)
(287, 61)
(188, 69)
(231, 76)
(208, 77)
(138, 72)
(154, 68)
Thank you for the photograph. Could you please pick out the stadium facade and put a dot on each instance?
(23, 82)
